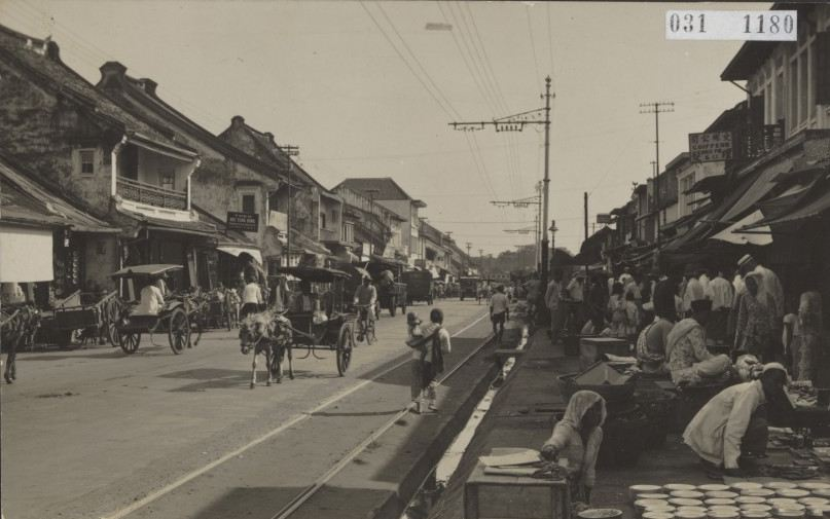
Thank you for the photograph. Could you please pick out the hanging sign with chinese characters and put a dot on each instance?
(710, 147)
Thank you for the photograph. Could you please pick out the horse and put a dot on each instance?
(17, 330)
(268, 333)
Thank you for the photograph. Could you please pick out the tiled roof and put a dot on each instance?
(387, 189)
(40, 61)
(276, 157)
(24, 199)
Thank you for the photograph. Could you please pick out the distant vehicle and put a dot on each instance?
(469, 286)
(419, 286)
(387, 272)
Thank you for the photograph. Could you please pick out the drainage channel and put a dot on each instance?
(437, 480)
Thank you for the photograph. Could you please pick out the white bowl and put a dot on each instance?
(780, 485)
(722, 494)
(687, 494)
(746, 485)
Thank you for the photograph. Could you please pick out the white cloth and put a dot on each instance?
(252, 294)
(576, 290)
(498, 303)
(693, 292)
(738, 284)
(772, 286)
(716, 431)
(626, 278)
(720, 292)
(151, 301)
(704, 281)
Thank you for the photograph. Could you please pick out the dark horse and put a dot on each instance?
(270, 334)
(18, 329)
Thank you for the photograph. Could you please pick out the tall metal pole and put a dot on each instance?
(543, 275)
(657, 174)
(586, 235)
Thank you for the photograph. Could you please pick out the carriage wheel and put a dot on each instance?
(345, 345)
(178, 331)
(112, 333)
(128, 341)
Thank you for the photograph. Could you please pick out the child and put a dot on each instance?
(415, 340)
(436, 344)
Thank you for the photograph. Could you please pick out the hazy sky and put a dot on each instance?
(322, 75)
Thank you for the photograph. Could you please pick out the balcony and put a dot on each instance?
(151, 195)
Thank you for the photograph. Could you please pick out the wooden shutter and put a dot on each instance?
(822, 71)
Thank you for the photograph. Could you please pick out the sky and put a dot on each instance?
(368, 89)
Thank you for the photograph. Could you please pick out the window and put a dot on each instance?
(249, 204)
(322, 220)
(802, 87)
(87, 159)
(168, 179)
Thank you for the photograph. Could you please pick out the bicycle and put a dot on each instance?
(365, 326)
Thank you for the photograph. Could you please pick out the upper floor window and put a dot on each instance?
(87, 161)
(168, 179)
(249, 203)
(322, 220)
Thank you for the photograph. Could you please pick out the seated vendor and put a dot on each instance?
(152, 298)
(734, 424)
(574, 444)
(688, 360)
(651, 344)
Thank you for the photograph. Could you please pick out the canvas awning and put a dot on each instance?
(736, 233)
(25, 254)
(238, 251)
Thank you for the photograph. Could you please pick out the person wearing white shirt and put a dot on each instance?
(499, 312)
(251, 298)
(692, 292)
(152, 299)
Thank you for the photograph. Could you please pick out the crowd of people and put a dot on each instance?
(693, 328)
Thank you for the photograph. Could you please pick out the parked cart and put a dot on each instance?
(82, 314)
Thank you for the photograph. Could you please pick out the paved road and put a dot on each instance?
(92, 433)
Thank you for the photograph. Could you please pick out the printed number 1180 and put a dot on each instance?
(732, 25)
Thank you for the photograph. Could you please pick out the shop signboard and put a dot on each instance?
(710, 147)
(244, 222)
(604, 218)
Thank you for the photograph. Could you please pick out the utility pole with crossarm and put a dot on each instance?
(516, 123)
(289, 151)
(657, 108)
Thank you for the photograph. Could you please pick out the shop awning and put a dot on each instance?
(238, 251)
(812, 210)
(736, 234)
(25, 254)
(299, 243)
(134, 222)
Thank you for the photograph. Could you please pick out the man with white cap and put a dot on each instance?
(733, 424)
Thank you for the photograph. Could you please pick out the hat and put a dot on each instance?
(412, 319)
(774, 365)
(701, 305)
(746, 258)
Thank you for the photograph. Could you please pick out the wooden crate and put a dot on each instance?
(512, 497)
(591, 349)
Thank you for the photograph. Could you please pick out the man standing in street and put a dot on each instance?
(576, 292)
(692, 292)
(499, 312)
(771, 285)
(719, 291)
(552, 295)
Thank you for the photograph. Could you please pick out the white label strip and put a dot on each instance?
(732, 25)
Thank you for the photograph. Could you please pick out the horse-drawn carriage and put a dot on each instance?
(173, 318)
(82, 315)
(316, 315)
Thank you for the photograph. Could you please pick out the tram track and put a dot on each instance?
(179, 486)
(303, 497)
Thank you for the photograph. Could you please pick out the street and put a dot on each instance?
(93, 433)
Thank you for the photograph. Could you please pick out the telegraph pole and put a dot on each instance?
(289, 151)
(657, 108)
(516, 123)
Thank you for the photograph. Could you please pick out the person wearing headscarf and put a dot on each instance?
(733, 423)
(688, 360)
(753, 328)
(651, 344)
(807, 338)
(575, 442)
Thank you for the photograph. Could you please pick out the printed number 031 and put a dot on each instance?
(686, 23)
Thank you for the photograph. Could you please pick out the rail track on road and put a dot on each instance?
(309, 491)
(303, 497)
